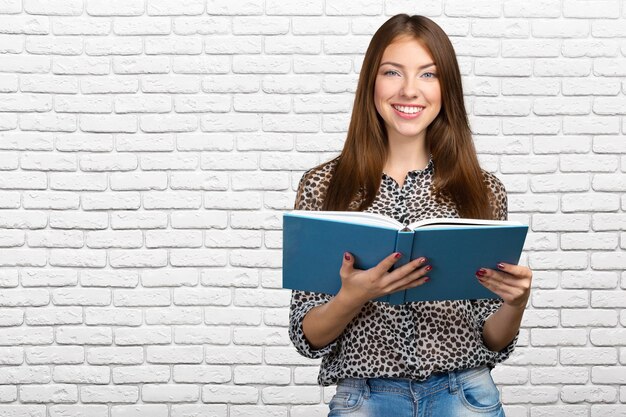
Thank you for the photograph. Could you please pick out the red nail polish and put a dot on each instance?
(428, 268)
(398, 254)
(501, 265)
(481, 272)
(346, 256)
(426, 279)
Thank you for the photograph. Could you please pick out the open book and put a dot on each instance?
(314, 243)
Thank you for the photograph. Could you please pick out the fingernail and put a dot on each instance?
(398, 254)
(501, 265)
(481, 272)
(346, 256)
(424, 260)
(428, 268)
(426, 279)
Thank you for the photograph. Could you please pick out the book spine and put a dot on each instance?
(404, 245)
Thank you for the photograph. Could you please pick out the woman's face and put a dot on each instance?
(407, 93)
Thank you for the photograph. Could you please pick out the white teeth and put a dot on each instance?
(409, 110)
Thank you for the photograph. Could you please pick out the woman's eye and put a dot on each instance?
(388, 72)
(433, 75)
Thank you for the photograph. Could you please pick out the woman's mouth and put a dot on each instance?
(407, 112)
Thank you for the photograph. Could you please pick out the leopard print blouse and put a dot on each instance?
(413, 340)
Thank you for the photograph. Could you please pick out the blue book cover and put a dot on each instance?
(314, 243)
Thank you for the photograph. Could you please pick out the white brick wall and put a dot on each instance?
(149, 147)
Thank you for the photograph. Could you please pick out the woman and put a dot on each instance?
(408, 155)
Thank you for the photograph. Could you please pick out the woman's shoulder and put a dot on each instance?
(498, 198)
(319, 175)
(313, 185)
(493, 182)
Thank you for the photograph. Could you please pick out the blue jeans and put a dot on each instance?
(465, 393)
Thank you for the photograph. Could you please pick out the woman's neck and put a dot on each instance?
(406, 155)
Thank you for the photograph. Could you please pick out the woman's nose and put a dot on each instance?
(409, 89)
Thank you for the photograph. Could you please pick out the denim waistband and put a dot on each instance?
(434, 383)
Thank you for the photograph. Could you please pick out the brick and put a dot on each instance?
(232, 201)
(271, 375)
(138, 181)
(11, 317)
(50, 200)
(142, 26)
(141, 374)
(172, 46)
(12, 238)
(79, 335)
(205, 103)
(588, 356)
(114, 239)
(209, 181)
(174, 316)
(590, 317)
(56, 355)
(534, 395)
(138, 220)
(53, 393)
(54, 316)
(559, 375)
(25, 103)
(205, 374)
(113, 316)
(77, 258)
(232, 316)
(113, 356)
(115, 7)
(139, 410)
(229, 394)
(589, 279)
(15, 356)
(202, 26)
(608, 299)
(159, 142)
(167, 8)
(171, 393)
(109, 394)
(159, 161)
(291, 395)
(201, 296)
(28, 180)
(25, 375)
(68, 220)
(172, 200)
(589, 241)
(230, 83)
(143, 336)
(178, 354)
(141, 298)
(169, 278)
(234, 355)
(608, 375)
(584, 394)
(141, 65)
(198, 410)
(202, 335)
(17, 257)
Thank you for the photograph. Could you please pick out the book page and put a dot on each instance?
(451, 222)
(357, 217)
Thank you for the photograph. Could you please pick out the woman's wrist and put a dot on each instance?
(348, 302)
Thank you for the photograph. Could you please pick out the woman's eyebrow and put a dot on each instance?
(402, 66)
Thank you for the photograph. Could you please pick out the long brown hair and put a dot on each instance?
(359, 167)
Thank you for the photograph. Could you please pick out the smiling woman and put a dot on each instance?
(409, 155)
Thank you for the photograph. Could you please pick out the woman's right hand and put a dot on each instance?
(359, 286)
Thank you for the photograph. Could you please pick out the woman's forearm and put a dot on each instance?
(324, 323)
(502, 326)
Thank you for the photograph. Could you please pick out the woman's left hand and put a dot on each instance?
(510, 282)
